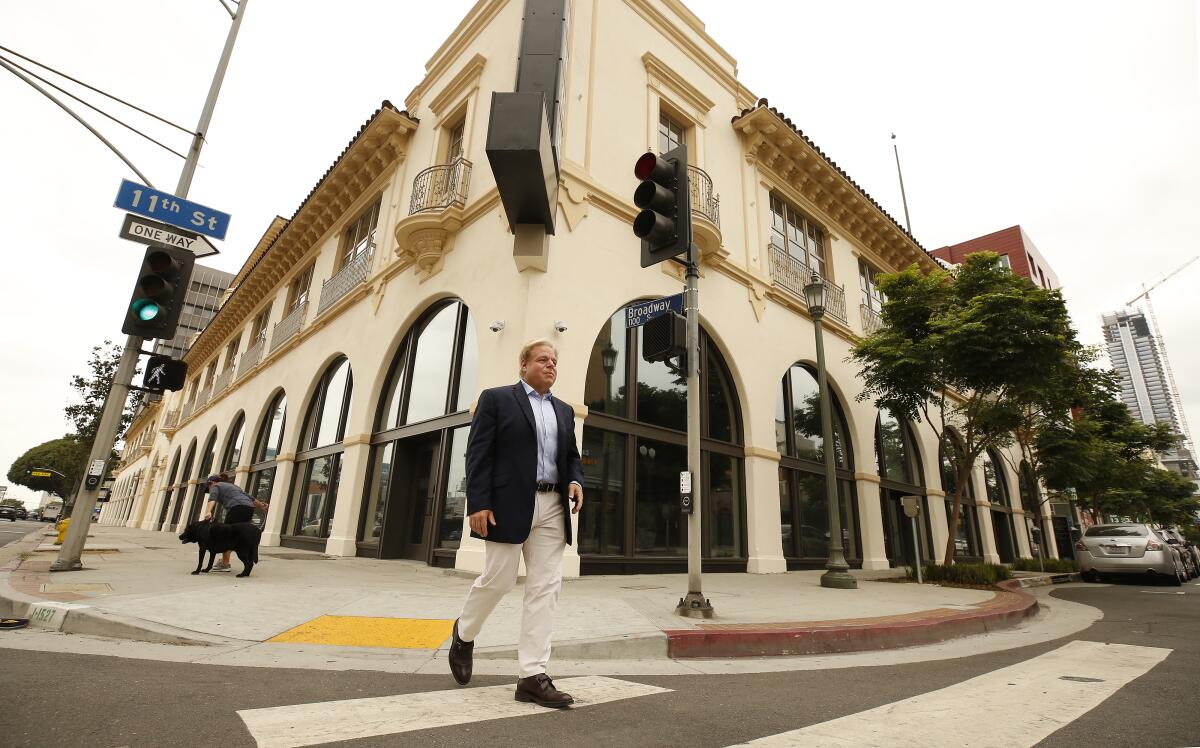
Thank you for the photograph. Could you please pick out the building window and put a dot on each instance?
(319, 458)
(233, 447)
(796, 233)
(899, 476)
(168, 492)
(966, 534)
(360, 236)
(210, 373)
(266, 447)
(1003, 531)
(634, 442)
(258, 330)
(670, 133)
(868, 286)
(454, 142)
(415, 500)
(298, 288)
(231, 352)
(1005, 262)
(206, 466)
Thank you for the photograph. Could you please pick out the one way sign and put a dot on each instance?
(146, 231)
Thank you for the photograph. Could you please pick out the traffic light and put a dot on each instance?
(665, 223)
(158, 296)
(664, 337)
(164, 373)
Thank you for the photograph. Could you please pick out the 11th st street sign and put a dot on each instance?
(145, 231)
(165, 207)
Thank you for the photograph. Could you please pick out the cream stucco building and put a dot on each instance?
(337, 379)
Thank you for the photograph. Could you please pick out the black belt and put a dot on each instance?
(547, 487)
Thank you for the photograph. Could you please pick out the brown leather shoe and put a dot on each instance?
(540, 690)
(460, 657)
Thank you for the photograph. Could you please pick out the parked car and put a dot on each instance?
(1187, 550)
(1128, 548)
(33, 515)
(8, 512)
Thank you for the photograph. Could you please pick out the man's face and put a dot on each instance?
(541, 368)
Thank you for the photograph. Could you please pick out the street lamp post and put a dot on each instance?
(608, 361)
(838, 571)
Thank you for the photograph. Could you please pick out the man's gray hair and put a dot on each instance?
(538, 343)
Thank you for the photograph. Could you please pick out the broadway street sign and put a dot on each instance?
(644, 311)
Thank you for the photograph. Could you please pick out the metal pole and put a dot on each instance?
(917, 551)
(694, 605)
(903, 197)
(118, 393)
(838, 575)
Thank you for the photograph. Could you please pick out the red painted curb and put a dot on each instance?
(1006, 609)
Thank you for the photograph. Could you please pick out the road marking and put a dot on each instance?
(367, 631)
(1156, 592)
(1048, 692)
(326, 722)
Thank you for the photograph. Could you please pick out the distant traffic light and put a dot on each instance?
(158, 296)
(665, 223)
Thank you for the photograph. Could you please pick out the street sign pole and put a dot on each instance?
(694, 604)
(118, 393)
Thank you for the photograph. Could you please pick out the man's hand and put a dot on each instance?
(480, 521)
(575, 492)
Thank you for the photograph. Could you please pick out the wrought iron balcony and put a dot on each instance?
(252, 356)
(171, 420)
(203, 397)
(791, 273)
(441, 186)
(222, 381)
(186, 412)
(871, 321)
(705, 202)
(288, 326)
(345, 280)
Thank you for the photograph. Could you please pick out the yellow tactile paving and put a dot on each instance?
(363, 631)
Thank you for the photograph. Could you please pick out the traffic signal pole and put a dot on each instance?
(118, 393)
(694, 604)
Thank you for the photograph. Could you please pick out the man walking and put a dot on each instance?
(239, 507)
(522, 464)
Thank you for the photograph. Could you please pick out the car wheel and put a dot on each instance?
(1089, 576)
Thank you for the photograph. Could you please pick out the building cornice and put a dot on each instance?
(660, 75)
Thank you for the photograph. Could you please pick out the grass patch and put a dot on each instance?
(1052, 565)
(970, 574)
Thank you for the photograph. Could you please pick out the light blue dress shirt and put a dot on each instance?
(546, 422)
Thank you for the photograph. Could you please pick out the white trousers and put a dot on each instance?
(543, 551)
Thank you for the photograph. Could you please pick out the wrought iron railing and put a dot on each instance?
(871, 321)
(792, 274)
(345, 280)
(441, 186)
(186, 412)
(288, 326)
(704, 201)
(171, 420)
(252, 356)
(222, 381)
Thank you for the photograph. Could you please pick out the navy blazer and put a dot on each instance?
(502, 461)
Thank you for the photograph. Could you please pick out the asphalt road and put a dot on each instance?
(128, 702)
(11, 532)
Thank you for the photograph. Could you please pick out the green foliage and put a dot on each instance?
(1160, 497)
(969, 350)
(12, 502)
(981, 574)
(92, 388)
(1051, 565)
(67, 455)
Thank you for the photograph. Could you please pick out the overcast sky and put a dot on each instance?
(1077, 120)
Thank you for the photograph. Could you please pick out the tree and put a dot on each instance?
(1162, 497)
(67, 456)
(93, 390)
(13, 502)
(967, 351)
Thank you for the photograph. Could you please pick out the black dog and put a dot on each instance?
(241, 538)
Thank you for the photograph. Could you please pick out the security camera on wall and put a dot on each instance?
(560, 326)
(497, 325)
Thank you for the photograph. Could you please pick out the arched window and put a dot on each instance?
(900, 475)
(1031, 501)
(233, 445)
(207, 458)
(183, 479)
(169, 491)
(267, 445)
(415, 497)
(319, 459)
(997, 494)
(966, 533)
(803, 508)
(634, 447)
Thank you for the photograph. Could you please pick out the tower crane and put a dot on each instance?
(1162, 347)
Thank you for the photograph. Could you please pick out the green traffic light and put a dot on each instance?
(146, 310)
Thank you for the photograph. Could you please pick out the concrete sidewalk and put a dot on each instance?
(136, 585)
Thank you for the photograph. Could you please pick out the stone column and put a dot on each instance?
(1047, 526)
(939, 522)
(285, 467)
(763, 537)
(343, 529)
(1021, 525)
(870, 520)
(983, 514)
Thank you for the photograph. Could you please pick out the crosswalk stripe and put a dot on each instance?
(326, 722)
(1047, 692)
